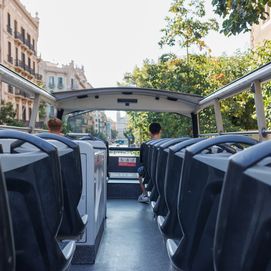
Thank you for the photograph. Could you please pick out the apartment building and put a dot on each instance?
(57, 77)
(19, 33)
(62, 77)
(262, 31)
(121, 124)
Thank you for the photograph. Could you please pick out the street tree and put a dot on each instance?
(187, 25)
(239, 16)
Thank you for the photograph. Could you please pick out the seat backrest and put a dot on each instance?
(243, 229)
(199, 192)
(72, 226)
(171, 227)
(162, 159)
(144, 154)
(35, 194)
(151, 164)
(7, 250)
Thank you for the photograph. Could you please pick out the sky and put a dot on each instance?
(109, 38)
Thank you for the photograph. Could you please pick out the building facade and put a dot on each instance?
(18, 39)
(57, 77)
(262, 31)
(62, 77)
(121, 124)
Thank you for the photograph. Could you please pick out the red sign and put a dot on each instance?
(127, 162)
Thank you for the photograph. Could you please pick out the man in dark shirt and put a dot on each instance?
(155, 133)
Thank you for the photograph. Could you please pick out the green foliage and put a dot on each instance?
(8, 114)
(187, 25)
(128, 133)
(66, 127)
(100, 135)
(202, 75)
(114, 134)
(240, 15)
(42, 110)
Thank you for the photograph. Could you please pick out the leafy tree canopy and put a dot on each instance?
(206, 74)
(187, 25)
(239, 15)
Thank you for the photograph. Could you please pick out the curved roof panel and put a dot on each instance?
(127, 99)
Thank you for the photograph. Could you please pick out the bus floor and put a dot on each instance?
(131, 241)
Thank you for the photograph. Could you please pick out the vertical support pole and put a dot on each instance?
(59, 114)
(195, 125)
(34, 112)
(258, 98)
(218, 117)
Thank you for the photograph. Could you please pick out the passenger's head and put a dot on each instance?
(155, 130)
(55, 125)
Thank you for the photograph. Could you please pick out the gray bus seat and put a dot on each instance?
(7, 250)
(162, 159)
(35, 194)
(204, 167)
(73, 225)
(153, 166)
(169, 223)
(150, 162)
(243, 229)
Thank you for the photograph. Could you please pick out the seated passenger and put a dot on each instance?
(155, 133)
(55, 126)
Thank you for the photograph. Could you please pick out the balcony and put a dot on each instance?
(20, 39)
(22, 64)
(28, 43)
(9, 29)
(22, 67)
(18, 36)
(38, 77)
(20, 93)
(10, 59)
(30, 47)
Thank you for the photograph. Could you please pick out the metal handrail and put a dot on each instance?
(252, 132)
(23, 129)
(12, 78)
(261, 74)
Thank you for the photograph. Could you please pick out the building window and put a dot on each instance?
(9, 20)
(16, 57)
(23, 34)
(34, 67)
(23, 60)
(29, 112)
(9, 29)
(17, 111)
(15, 27)
(10, 59)
(28, 41)
(51, 83)
(52, 111)
(72, 83)
(10, 89)
(33, 45)
(23, 113)
(60, 82)
(29, 65)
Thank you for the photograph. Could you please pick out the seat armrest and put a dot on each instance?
(85, 219)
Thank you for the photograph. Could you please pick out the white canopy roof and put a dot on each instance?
(127, 99)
